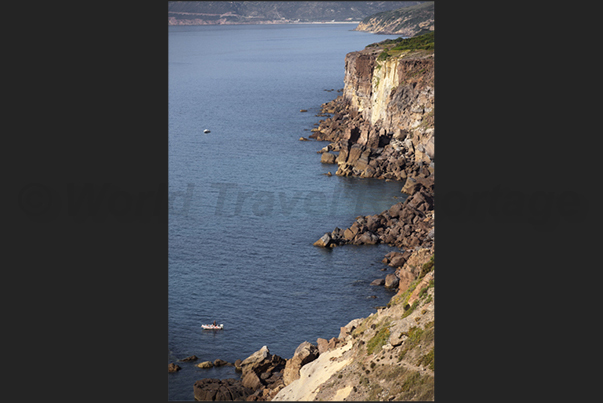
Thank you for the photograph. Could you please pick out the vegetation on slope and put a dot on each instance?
(409, 21)
(381, 371)
(425, 42)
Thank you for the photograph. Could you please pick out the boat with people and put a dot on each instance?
(213, 327)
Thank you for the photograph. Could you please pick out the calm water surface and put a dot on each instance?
(248, 199)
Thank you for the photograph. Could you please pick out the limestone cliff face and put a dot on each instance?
(383, 123)
(396, 94)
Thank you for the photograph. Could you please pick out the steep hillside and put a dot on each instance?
(406, 21)
(386, 356)
(258, 12)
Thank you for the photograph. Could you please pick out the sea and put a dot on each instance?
(248, 199)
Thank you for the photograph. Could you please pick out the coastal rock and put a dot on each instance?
(218, 362)
(190, 358)
(261, 370)
(378, 281)
(251, 380)
(237, 365)
(323, 345)
(328, 158)
(256, 357)
(211, 389)
(351, 232)
(304, 353)
(391, 281)
(398, 259)
(303, 139)
(173, 367)
(410, 186)
(205, 364)
(367, 238)
(324, 241)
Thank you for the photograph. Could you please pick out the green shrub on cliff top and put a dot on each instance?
(425, 42)
(383, 56)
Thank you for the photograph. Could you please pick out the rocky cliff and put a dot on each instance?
(382, 126)
(407, 21)
(383, 123)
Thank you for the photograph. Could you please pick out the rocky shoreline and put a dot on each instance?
(382, 126)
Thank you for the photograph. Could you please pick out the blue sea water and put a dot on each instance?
(248, 199)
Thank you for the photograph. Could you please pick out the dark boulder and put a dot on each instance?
(391, 281)
(210, 389)
(328, 158)
(173, 368)
(367, 238)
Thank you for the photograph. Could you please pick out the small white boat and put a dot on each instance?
(206, 131)
(212, 327)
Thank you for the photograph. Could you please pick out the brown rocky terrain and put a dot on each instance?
(382, 126)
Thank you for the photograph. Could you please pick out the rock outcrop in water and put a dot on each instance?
(382, 126)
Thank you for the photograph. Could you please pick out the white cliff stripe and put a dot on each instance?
(313, 375)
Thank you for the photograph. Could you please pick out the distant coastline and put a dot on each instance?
(265, 22)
